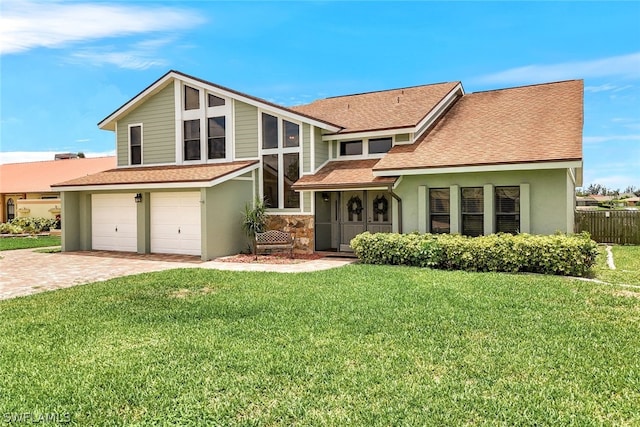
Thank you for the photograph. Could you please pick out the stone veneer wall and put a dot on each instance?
(300, 226)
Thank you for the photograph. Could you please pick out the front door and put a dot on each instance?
(353, 207)
(378, 212)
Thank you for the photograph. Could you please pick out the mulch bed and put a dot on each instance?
(270, 259)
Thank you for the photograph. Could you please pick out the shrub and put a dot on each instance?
(569, 255)
(27, 225)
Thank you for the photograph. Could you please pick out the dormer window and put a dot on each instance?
(379, 145)
(214, 101)
(350, 148)
(191, 98)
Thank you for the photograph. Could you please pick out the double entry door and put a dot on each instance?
(342, 215)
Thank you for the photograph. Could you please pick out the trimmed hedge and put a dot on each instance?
(567, 255)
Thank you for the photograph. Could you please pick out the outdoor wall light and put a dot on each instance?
(325, 196)
(138, 197)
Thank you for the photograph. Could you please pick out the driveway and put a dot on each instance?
(25, 272)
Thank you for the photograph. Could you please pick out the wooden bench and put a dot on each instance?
(274, 239)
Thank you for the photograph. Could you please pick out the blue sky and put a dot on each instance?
(65, 65)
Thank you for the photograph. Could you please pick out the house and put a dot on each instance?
(25, 188)
(429, 158)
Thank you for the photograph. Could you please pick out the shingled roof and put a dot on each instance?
(344, 174)
(388, 109)
(159, 174)
(538, 123)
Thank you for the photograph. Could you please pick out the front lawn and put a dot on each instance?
(10, 243)
(627, 262)
(360, 345)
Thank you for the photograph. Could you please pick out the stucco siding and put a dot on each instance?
(246, 130)
(547, 204)
(157, 116)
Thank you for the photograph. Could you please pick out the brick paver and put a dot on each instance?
(25, 272)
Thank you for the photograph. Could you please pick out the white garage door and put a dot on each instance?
(114, 222)
(175, 223)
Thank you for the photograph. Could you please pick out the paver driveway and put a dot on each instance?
(25, 272)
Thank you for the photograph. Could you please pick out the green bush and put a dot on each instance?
(569, 255)
(28, 225)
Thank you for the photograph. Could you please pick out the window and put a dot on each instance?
(280, 162)
(350, 148)
(214, 101)
(291, 175)
(439, 210)
(379, 145)
(11, 210)
(216, 138)
(192, 139)
(508, 209)
(270, 180)
(291, 134)
(269, 131)
(472, 201)
(135, 144)
(191, 98)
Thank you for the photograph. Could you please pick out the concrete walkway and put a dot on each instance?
(25, 272)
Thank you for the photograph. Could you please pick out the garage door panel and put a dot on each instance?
(175, 223)
(114, 222)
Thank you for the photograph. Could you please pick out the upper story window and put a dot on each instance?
(472, 201)
(350, 148)
(191, 140)
(216, 140)
(191, 98)
(291, 134)
(379, 145)
(135, 144)
(280, 161)
(507, 209)
(439, 210)
(206, 119)
(269, 131)
(214, 101)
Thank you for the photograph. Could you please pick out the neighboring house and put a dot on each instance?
(586, 202)
(25, 188)
(428, 158)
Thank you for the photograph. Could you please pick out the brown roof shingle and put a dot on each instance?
(159, 174)
(538, 123)
(389, 109)
(38, 177)
(344, 174)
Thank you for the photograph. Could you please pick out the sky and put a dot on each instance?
(66, 65)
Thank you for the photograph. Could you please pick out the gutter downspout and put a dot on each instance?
(395, 196)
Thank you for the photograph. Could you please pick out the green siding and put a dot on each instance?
(76, 221)
(402, 137)
(246, 130)
(321, 149)
(157, 115)
(306, 148)
(548, 210)
(306, 197)
(222, 219)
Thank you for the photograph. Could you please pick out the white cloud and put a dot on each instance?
(36, 156)
(132, 59)
(26, 25)
(605, 138)
(621, 66)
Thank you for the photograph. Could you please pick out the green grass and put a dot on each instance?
(627, 262)
(360, 345)
(10, 243)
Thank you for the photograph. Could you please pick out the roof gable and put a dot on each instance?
(382, 110)
(539, 123)
(108, 122)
